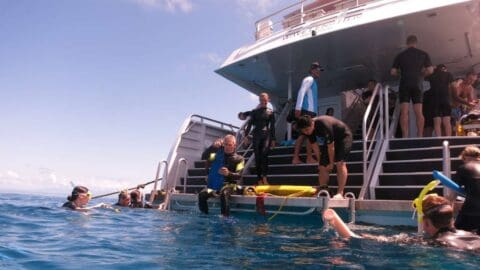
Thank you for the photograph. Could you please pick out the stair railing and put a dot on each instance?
(153, 193)
(447, 170)
(373, 134)
(185, 173)
(184, 129)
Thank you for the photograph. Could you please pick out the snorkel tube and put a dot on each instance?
(448, 183)
(417, 203)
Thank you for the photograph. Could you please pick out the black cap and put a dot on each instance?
(316, 65)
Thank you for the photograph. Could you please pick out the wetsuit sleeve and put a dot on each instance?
(237, 174)
(427, 62)
(460, 175)
(306, 84)
(247, 113)
(272, 126)
(396, 62)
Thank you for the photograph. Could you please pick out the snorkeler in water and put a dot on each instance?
(79, 198)
(437, 224)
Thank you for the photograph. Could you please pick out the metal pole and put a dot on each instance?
(289, 95)
(446, 167)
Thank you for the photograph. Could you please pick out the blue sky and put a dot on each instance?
(94, 91)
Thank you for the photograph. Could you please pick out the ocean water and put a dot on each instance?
(36, 233)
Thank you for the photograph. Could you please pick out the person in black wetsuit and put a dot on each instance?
(79, 198)
(437, 226)
(440, 82)
(412, 63)
(468, 176)
(224, 172)
(427, 110)
(337, 143)
(263, 120)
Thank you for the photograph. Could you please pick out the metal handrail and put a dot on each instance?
(446, 164)
(369, 167)
(222, 124)
(179, 162)
(157, 177)
(288, 15)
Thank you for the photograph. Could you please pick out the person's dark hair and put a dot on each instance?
(412, 39)
(304, 121)
(438, 210)
(77, 191)
(136, 198)
(123, 195)
(372, 80)
(329, 111)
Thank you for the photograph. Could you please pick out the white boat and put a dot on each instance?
(354, 41)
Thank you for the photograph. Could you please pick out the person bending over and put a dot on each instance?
(224, 170)
(337, 143)
(263, 139)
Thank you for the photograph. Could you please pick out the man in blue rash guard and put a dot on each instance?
(307, 104)
(225, 168)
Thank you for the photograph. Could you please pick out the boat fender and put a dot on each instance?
(448, 182)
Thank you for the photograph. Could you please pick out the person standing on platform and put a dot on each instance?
(263, 120)
(307, 104)
(412, 64)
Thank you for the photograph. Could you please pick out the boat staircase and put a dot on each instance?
(385, 173)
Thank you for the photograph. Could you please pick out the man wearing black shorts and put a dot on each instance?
(412, 64)
(337, 143)
(440, 82)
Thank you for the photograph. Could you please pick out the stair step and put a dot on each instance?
(430, 142)
(420, 165)
(422, 153)
(401, 192)
(413, 178)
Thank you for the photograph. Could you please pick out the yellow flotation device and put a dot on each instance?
(417, 203)
(282, 190)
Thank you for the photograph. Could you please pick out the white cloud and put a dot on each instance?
(13, 174)
(212, 58)
(172, 6)
(254, 8)
(47, 181)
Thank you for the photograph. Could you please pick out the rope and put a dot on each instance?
(298, 194)
(116, 192)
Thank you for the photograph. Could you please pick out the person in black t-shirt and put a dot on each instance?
(412, 64)
(337, 143)
(440, 82)
(468, 176)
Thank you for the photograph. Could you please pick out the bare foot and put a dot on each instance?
(296, 160)
(311, 160)
(338, 196)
